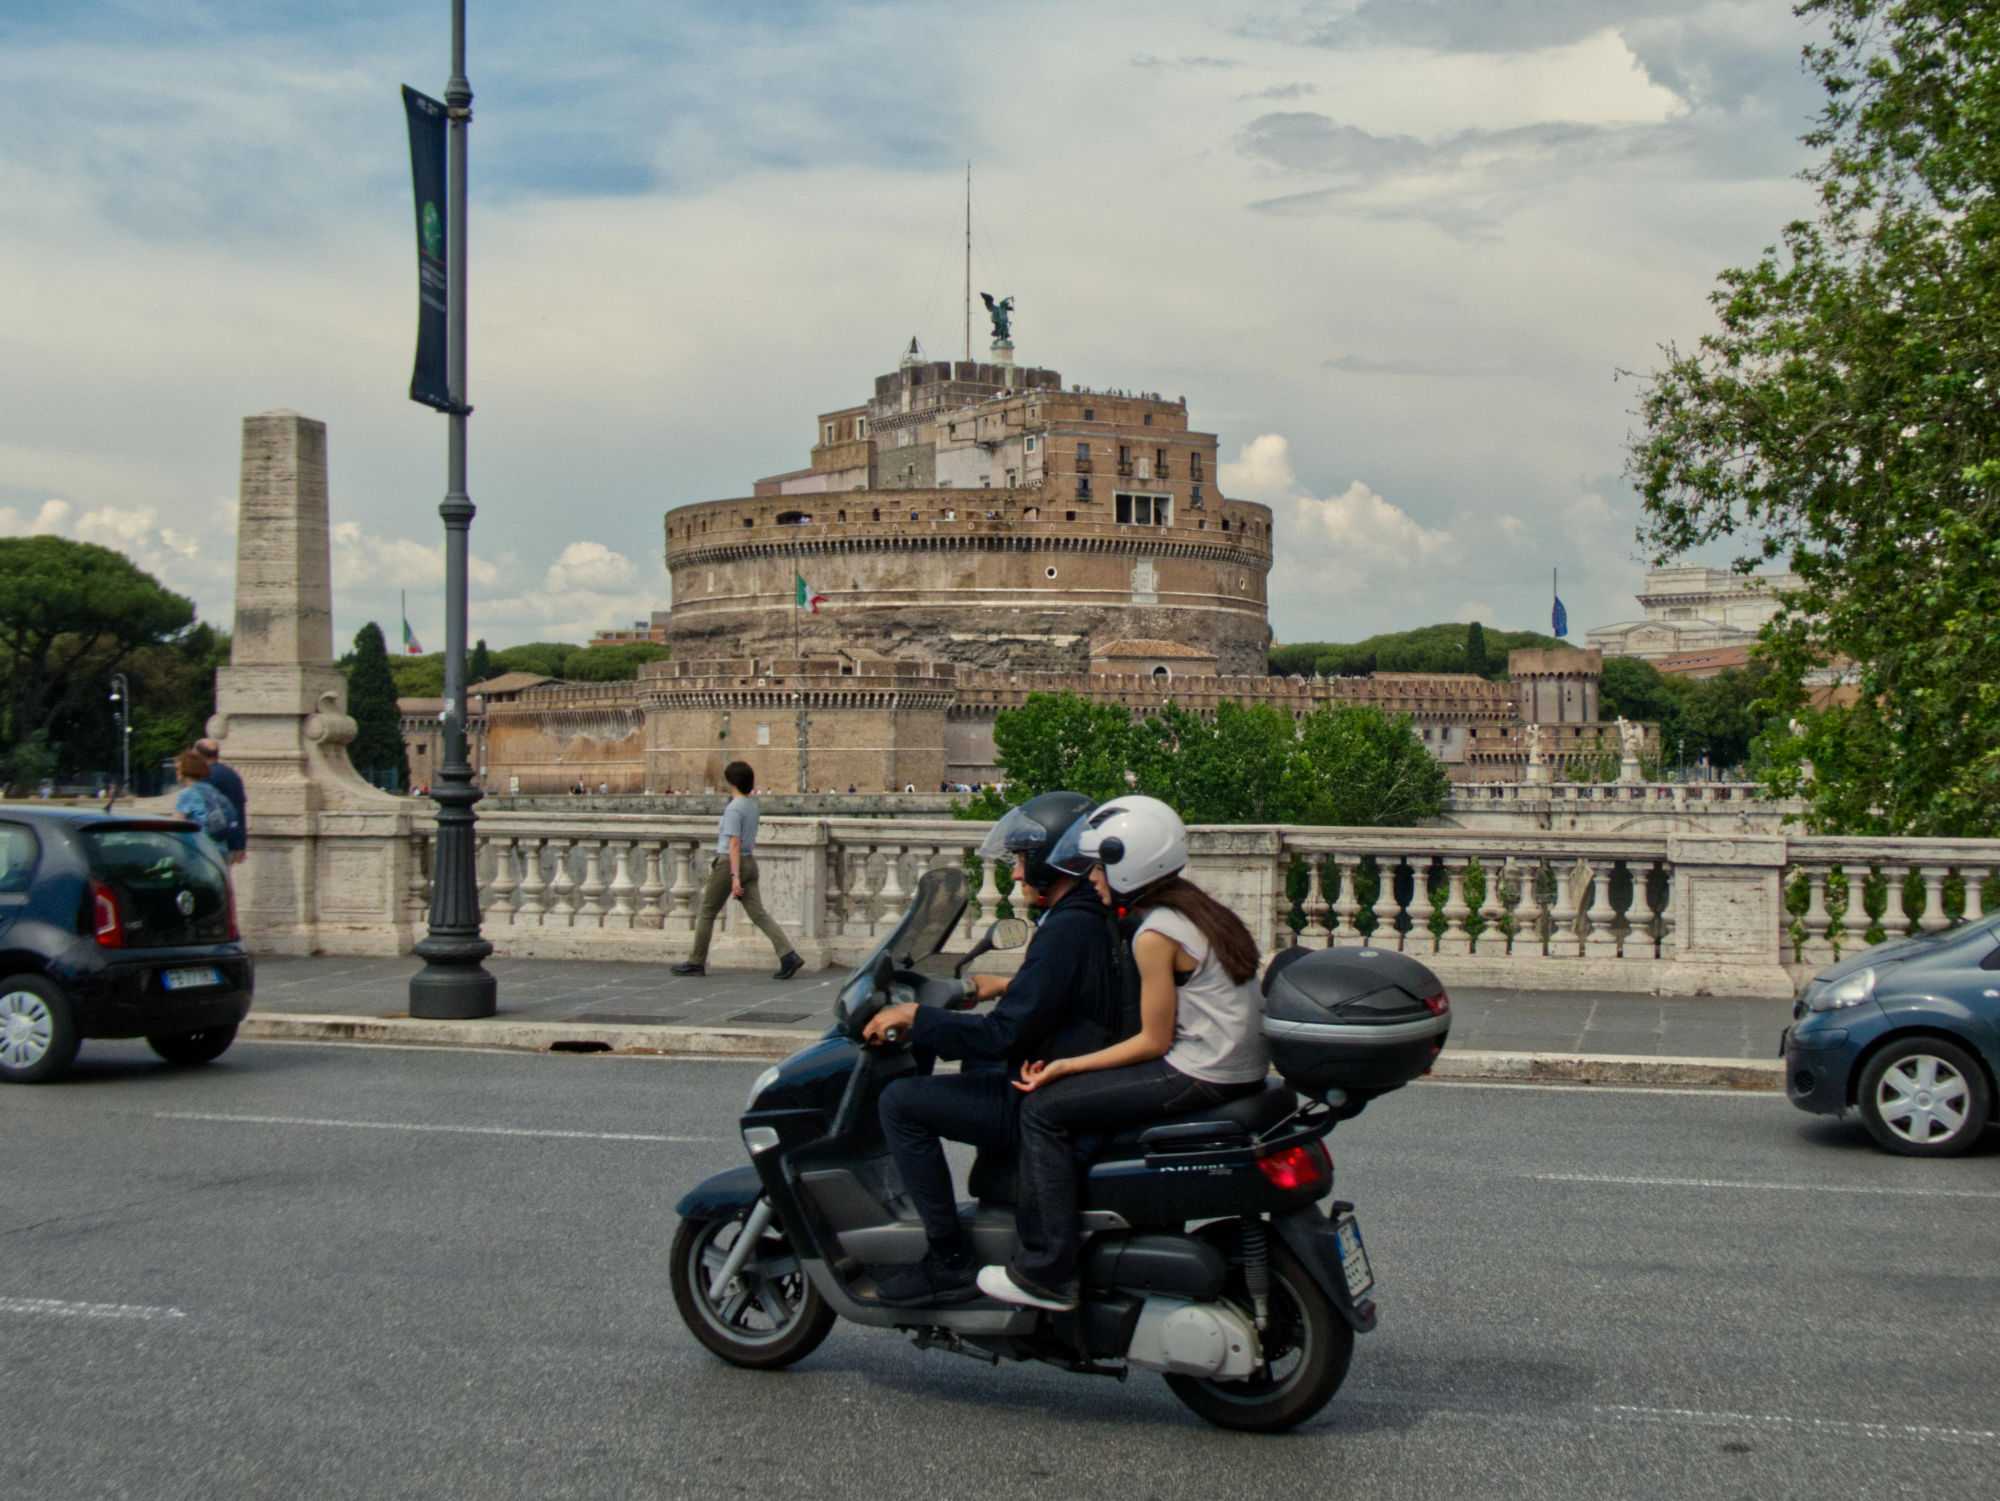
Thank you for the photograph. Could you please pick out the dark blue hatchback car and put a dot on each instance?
(1908, 1034)
(113, 927)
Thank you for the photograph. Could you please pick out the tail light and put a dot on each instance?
(1297, 1167)
(232, 935)
(107, 922)
(1439, 1004)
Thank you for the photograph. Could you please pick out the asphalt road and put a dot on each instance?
(318, 1272)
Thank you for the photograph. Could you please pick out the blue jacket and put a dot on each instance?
(224, 779)
(1061, 1003)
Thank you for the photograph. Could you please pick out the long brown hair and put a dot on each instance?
(1234, 949)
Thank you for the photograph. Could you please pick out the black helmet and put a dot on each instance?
(1031, 831)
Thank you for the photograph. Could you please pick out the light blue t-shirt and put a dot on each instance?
(740, 819)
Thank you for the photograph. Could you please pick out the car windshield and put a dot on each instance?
(169, 887)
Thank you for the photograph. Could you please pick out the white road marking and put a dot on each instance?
(492, 1052)
(1824, 1188)
(304, 1120)
(1920, 1432)
(56, 1308)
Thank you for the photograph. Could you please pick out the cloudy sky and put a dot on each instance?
(1393, 251)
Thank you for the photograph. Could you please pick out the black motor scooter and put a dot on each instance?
(1207, 1255)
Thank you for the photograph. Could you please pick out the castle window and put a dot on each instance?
(1083, 487)
(878, 515)
(1069, 515)
(843, 515)
(794, 518)
(1225, 523)
(1160, 674)
(1149, 419)
(829, 432)
(748, 521)
(1083, 451)
(1194, 466)
(1033, 443)
(1050, 572)
(860, 427)
(1089, 414)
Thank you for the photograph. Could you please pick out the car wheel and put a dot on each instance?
(1924, 1097)
(188, 1048)
(38, 1036)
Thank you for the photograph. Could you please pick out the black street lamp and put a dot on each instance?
(121, 695)
(454, 981)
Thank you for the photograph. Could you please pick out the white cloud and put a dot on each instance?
(1476, 609)
(1357, 523)
(1511, 527)
(590, 567)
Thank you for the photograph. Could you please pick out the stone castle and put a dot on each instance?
(973, 533)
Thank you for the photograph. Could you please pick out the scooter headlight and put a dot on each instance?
(761, 1083)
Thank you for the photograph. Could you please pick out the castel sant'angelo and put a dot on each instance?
(972, 533)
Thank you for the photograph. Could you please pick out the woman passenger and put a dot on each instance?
(1199, 1042)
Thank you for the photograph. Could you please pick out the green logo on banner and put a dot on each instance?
(433, 232)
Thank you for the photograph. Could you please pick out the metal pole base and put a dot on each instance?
(453, 985)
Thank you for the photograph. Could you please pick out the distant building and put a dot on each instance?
(1692, 609)
(650, 632)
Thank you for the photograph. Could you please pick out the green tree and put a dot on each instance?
(1475, 649)
(377, 751)
(70, 614)
(1363, 768)
(416, 677)
(480, 668)
(1062, 740)
(1842, 418)
(610, 664)
(1429, 648)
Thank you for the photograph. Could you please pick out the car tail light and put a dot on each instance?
(232, 935)
(107, 922)
(1439, 1004)
(1297, 1167)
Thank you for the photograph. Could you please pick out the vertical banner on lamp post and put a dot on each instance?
(429, 382)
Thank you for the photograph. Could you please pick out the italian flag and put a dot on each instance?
(802, 595)
(411, 645)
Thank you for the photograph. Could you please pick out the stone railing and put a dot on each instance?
(1671, 914)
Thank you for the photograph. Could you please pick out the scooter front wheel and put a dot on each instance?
(1307, 1348)
(768, 1316)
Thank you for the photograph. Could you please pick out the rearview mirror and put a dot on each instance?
(1012, 933)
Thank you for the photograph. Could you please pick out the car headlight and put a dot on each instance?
(761, 1083)
(1851, 990)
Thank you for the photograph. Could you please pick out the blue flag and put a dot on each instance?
(1559, 618)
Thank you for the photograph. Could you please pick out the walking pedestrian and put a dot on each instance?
(224, 779)
(734, 873)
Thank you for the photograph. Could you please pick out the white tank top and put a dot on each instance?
(1218, 1024)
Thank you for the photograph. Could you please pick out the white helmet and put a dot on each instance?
(1138, 840)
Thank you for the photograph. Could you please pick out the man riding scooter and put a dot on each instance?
(1065, 1000)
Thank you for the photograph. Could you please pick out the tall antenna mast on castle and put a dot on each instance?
(968, 261)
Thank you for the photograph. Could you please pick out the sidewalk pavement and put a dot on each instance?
(597, 1006)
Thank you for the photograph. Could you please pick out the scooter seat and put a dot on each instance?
(1247, 1115)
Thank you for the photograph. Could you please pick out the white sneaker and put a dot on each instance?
(995, 1282)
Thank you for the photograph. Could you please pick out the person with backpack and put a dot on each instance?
(198, 801)
(1199, 1039)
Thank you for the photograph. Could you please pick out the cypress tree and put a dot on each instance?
(377, 751)
(1476, 659)
(480, 668)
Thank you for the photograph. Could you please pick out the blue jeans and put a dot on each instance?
(919, 1114)
(1102, 1102)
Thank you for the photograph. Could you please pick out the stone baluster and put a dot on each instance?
(989, 889)
(1455, 939)
(529, 911)
(500, 901)
(1817, 949)
(1975, 897)
(652, 890)
(422, 850)
(1854, 919)
(975, 908)
(1933, 919)
(1562, 914)
(1600, 936)
(1897, 919)
(590, 906)
(1316, 934)
(894, 896)
(1419, 939)
(854, 892)
(1346, 877)
(622, 893)
(1492, 940)
(681, 894)
(562, 888)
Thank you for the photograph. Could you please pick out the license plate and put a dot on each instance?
(191, 979)
(1353, 1256)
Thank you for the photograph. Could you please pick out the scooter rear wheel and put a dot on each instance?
(769, 1316)
(1307, 1345)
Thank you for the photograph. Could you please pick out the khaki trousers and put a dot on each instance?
(715, 891)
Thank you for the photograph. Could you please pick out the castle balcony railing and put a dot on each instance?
(1671, 914)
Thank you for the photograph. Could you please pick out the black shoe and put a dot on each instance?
(931, 1281)
(689, 967)
(788, 966)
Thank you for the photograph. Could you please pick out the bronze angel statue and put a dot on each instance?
(1001, 312)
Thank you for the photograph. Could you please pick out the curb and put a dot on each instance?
(767, 1044)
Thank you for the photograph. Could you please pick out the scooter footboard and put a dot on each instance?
(1309, 1235)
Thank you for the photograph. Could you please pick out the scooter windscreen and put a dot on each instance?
(926, 927)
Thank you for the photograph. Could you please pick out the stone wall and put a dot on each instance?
(549, 738)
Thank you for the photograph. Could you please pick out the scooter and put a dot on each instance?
(1207, 1256)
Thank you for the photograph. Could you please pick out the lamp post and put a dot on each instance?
(454, 982)
(121, 695)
